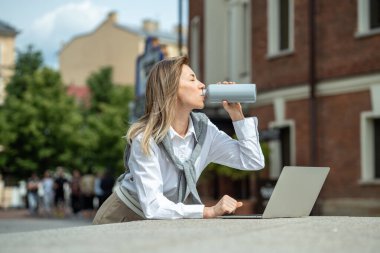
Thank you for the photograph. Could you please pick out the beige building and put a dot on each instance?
(110, 44)
(7, 56)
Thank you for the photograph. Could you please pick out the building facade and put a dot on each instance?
(316, 65)
(111, 44)
(7, 56)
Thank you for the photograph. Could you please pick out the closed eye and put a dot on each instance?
(193, 78)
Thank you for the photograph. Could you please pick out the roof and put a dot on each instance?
(81, 92)
(162, 35)
(6, 29)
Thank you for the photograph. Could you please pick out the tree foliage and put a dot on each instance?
(40, 124)
(101, 87)
(41, 127)
(108, 117)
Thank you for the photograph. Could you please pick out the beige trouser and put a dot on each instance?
(114, 210)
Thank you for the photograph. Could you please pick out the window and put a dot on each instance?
(370, 140)
(285, 146)
(376, 128)
(370, 147)
(284, 24)
(280, 151)
(281, 147)
(374, 14)
(280, 27)
(368, 17)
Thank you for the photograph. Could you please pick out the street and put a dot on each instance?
(12, 221)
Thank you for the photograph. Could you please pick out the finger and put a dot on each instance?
(230, 206)
(226, 197)
(230, 210)
(232, 203)
(239, 204)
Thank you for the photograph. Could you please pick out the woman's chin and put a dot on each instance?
(201, 106)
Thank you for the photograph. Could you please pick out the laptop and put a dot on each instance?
(294, 195)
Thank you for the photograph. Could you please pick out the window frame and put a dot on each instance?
(367, 149)
(363, 20)
(279, 105)
(276, 159)
(273, 44)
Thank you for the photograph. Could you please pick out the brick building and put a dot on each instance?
(316, 65)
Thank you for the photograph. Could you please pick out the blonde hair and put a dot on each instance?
(160, 101)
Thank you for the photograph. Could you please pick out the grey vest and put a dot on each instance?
(187, 176)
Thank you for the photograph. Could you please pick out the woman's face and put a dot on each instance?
(190, 90)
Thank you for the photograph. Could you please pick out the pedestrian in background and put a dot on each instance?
(107, 183)
(87, 186)
(32, 187)
(2, 185)
(48, 193)
(97, 189)
(59, 192)
(76, 193)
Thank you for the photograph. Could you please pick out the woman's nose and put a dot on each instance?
(202, 85)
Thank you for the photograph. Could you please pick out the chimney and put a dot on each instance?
(112, 17)
(150, 26)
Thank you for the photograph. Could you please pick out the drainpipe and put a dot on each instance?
(312, 81)
(180, 27)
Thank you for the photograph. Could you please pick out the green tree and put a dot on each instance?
(108, 118)
(28, 62)
(101, 86)
(41, 126)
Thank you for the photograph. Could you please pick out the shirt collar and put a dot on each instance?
(190, 130)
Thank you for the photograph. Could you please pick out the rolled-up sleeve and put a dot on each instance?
(149, 184)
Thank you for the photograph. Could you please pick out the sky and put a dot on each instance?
(47, 24)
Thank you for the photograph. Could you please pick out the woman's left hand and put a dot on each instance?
(234, 109)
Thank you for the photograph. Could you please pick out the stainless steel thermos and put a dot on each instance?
(233, 93)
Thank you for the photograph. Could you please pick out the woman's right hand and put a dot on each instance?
(226, 205)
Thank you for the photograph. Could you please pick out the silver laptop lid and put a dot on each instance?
(296, 191)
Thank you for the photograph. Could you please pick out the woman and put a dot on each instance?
(169, 148)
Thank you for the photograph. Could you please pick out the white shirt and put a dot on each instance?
(153, 179)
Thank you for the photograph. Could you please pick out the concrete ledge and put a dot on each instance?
(310, 234)
(351, 207)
